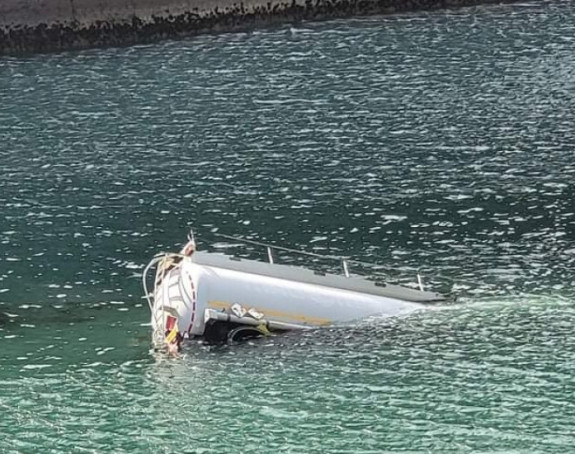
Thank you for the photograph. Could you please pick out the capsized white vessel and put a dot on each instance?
(218, 296)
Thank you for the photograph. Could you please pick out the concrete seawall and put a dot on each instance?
(28, 26)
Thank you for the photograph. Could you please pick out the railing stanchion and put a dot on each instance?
(345, 269)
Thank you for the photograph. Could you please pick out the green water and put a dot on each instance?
(437, 142)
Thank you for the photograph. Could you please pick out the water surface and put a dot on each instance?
(437, 142)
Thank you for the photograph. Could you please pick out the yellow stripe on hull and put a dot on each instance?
(274, 314)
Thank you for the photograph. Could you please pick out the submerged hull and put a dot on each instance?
(197, 291)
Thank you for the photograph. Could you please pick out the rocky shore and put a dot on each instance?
(28, 26)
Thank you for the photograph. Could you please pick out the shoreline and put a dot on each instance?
(27, 26)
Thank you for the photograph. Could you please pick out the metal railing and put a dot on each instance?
(344, 261)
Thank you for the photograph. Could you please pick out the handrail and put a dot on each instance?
(345, 260)
(280, 248)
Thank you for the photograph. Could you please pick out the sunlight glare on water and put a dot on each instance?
(434, 142)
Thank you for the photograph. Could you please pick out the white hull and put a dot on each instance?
(206, 287)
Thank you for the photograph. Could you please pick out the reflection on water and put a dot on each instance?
(435, 142)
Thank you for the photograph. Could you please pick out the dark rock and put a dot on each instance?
(19, 39)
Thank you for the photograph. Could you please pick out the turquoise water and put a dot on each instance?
(436, 142)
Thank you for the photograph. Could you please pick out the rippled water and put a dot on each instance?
(442, 142)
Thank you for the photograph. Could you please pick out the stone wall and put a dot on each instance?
(51, 25)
